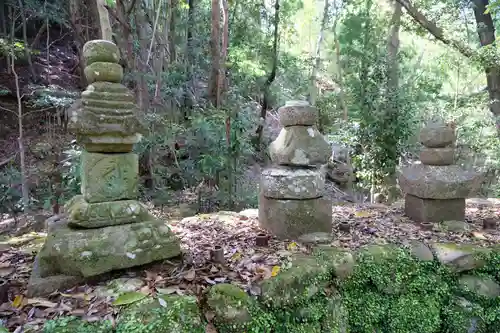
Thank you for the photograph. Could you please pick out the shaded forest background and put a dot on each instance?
(209, 75)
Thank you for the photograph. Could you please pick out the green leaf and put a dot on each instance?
(129, 298)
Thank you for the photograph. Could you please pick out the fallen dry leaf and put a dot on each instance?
(190, 275)
(18, 302)
(6, 271)
(479, 235)
(41, 302)
(362, 214)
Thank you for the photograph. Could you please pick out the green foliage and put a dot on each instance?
(10, 194)
(399, 293)
(179, 314)
(209, 152)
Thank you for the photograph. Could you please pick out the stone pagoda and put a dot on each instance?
(291, 200)
(436, 189)
(105, 228)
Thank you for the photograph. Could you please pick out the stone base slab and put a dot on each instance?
(290, 219)
(82, 214)
(43, 286)
(91, 252)
(434, 210)
(109, 177)
(292, 183)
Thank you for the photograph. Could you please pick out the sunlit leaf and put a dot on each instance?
(18, 301)
(129, 298)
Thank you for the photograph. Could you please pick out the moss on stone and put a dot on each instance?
(340, 261)
(100, 51)
(173, 314)
(231, 307)
(103, 71)
(307, 277)
(76, 325)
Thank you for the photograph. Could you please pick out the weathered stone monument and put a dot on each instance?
(105, 228)
(291, 199)
(436, 189)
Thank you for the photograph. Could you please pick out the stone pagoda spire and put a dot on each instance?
(291, 200)
(105, 228)
(436, 189)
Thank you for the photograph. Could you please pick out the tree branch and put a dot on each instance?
(436, 31)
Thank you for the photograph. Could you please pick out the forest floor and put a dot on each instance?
(245, 263)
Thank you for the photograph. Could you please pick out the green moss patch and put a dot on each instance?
(173, 314)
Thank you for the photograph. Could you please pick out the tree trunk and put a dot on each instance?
(189, 92)
(270, 78)
(213, 84)
(106, 31)
(20, 141)
(486, 32)
(392, 108)
(313, 90)
(27, 51)
(173, 23)
(392, 52)
(225, 44)
(124, 34)
(340, 75)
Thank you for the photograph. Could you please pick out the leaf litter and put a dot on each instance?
(245, 263)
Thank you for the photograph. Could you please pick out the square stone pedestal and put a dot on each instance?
(290, 219)
(434, 210)
(109, 177)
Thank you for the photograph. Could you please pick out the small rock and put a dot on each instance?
(229, 303)
(460, 257)
(250, 213)
(370, 231)
(456, 226)
(481, 285)
(421, 251)
(316, 238)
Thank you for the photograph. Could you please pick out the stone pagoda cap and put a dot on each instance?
(100, 50)
(437, 134)
(105, 119)
(439, 182)
(297, 113)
